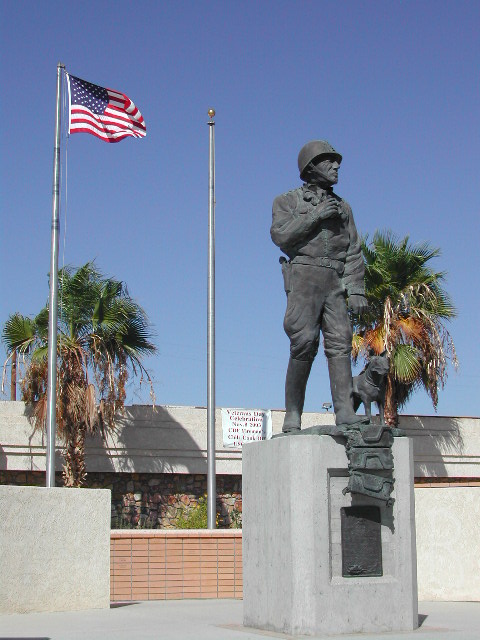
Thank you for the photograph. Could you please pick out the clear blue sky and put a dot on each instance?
(394, 86)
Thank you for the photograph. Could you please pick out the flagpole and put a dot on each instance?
(211, 479)
(53, 297)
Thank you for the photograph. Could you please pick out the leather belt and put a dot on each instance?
(330, 263)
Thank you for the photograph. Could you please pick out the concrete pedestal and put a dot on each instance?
(292, 542)
(55, 549)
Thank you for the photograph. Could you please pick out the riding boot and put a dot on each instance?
(295, 385)
(341, 386)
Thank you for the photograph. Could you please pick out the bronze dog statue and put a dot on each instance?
(370, 385)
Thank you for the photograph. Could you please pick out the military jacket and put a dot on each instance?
(298, 229)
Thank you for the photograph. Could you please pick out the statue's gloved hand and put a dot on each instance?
(326, 209)
(357, 303)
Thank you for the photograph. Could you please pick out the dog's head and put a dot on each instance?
(379, 365)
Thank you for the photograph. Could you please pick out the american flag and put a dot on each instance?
(104, 113)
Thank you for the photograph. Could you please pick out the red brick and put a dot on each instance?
(126, 577)
(122, 553)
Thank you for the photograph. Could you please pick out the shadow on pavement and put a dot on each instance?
(421, 619)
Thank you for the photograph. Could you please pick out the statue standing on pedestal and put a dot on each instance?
(324, 272)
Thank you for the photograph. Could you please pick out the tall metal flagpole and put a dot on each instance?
(211, 478)
(53, 297)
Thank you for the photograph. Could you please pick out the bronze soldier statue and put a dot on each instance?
(314, 227)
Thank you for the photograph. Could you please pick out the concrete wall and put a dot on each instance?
(159, 564)
(448, 543)
(174, 440)
(55, 549)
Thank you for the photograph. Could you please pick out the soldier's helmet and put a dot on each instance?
(314, 149)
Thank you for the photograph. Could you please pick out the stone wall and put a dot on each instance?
(151, 500)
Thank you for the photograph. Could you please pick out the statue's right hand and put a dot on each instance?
(327, 209)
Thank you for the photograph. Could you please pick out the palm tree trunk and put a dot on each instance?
(13, 377)
(391, 405)
(74, 470)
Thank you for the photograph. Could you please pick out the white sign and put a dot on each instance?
(245, 425)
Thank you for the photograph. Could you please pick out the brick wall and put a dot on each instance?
(446, 482)
(160, 565)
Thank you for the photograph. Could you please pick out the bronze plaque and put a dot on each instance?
(361, 542)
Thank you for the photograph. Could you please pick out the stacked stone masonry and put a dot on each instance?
(151, 501)
(155, 501)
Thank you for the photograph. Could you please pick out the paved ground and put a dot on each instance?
(212, 620)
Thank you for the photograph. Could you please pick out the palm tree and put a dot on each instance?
(102, 336)
(407, 308)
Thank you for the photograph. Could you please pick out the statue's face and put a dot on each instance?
(324, 170)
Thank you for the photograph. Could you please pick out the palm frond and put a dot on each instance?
(375, 339)
(40, 353)
(412, 330)
(19, 333)
(357, 345)
(406, 364)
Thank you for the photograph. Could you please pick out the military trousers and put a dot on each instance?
(316, 300)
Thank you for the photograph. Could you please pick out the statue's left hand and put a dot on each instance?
(357, 303)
